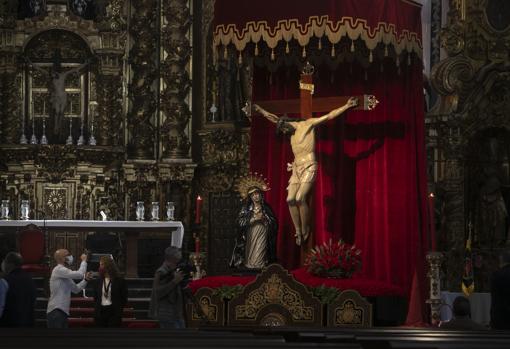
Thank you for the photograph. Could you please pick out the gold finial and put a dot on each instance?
(308, 69)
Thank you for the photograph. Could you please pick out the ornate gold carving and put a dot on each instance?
(273, 320)
(110, 112)
(10, 114)
(176, 112)
(58, 18)
(473, 86)
(142, 56)
(350, 309)
(275, 292)
(348, 314)
(225, 156)
(434, 259)
(55, 201)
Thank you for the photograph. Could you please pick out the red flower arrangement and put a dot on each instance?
(338, 260)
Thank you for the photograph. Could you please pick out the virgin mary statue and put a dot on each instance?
(255, 245)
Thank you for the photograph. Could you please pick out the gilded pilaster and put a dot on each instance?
(142, 57)
(175, 75)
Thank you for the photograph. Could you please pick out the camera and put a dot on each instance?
(186, 268)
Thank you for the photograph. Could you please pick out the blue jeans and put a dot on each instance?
(176, 324)
(57, 319)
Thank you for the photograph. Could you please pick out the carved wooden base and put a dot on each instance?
(275, 298)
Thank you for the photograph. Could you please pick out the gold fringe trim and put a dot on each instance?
(289, 29)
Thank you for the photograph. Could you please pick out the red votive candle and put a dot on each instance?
(198, 210)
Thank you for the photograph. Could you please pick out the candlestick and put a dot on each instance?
(92, 139)
(432, 222)
(33, 138)
(69, 140)
(198, 210)
(23, 138)
(44, 140)
(197, 244)
(81, 139)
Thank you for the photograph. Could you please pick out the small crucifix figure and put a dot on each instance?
(58, 94)
(302, 140)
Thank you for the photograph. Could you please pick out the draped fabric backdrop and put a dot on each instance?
(371, 185)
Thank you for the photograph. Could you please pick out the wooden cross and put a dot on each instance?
(304, 105)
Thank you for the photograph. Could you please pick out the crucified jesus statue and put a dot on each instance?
(58, 90)
(304, 166)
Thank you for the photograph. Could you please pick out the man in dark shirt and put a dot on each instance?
(462, 317)
(500, 294)
(21, 294)
(167, 304)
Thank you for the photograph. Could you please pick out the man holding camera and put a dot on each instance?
(167, 303)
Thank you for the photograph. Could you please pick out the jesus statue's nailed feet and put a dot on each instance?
(305, 235)
(297, 235)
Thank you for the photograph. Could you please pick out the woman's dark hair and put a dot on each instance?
(110, 267)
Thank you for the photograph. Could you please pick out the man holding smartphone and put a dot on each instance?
(62, 285)
(167, 305)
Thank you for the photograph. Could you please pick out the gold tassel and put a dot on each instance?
(287, 48)
(304, 52)
(225, 53)
(320, 44)
(240, 59)
(386, 51)
(333, 53)
(352, 46)
(371, 57)
(256, 49)
(272, 54)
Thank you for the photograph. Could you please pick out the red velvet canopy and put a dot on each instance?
(371, 185)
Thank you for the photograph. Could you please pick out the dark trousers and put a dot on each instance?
(175, 324)
(107, 317)
(57, 319)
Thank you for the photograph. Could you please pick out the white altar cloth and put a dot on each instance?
(175, 227)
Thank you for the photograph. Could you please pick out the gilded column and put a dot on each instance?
(434, 259)
(9, 91)
(175, 75)
(109, 89)
(142, 57)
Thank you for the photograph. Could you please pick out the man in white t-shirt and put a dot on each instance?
(62, 284)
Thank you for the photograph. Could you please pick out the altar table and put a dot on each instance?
(132, 230)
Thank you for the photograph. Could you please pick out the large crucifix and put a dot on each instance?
(302, 140)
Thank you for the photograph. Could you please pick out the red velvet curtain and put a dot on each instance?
(371, 186)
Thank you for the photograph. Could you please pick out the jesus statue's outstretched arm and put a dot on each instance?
(351, 103)
(270, 116)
